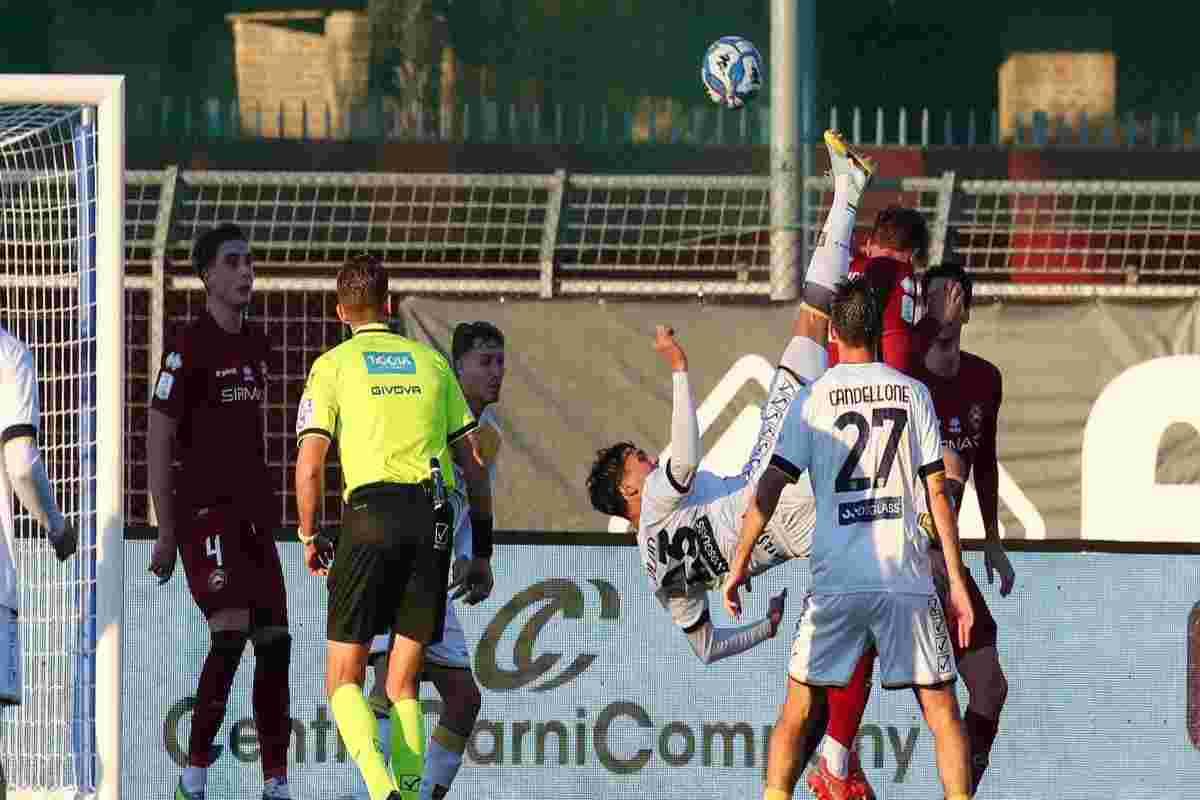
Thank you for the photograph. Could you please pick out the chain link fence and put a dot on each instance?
(545, 236)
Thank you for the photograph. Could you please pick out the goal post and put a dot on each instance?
(61, 274)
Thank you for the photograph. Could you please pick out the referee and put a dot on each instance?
(393, 405)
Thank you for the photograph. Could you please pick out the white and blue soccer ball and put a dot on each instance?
(732, 71)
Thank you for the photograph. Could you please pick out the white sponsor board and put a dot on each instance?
(589, 691)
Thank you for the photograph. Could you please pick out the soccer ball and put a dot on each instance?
(732, 71)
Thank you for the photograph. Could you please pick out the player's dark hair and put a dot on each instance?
(471, 335)
(206, 247)
(362, 282)
(604, 481)
(904, 229)
(949, 270)
(856, 313)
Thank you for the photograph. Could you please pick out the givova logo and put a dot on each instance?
(561, 596)
(378, 363)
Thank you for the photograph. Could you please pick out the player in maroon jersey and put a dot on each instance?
(967, 391)
(898, 240)
(218, 512)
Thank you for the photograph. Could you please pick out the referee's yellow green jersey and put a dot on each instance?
(390, 402)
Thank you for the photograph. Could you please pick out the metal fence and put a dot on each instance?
(647, 120)
(546, 236)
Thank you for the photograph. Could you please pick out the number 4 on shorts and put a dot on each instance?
(212, 547)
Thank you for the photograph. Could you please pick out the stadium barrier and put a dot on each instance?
(589, 691)
(642, 121)
(561, 235)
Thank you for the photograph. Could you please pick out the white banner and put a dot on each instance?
(590, 691)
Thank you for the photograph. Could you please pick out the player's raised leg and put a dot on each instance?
(852, 173)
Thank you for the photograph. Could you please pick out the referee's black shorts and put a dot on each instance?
(386, 576)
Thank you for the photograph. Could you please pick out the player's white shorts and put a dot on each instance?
(908, 631)
(451, 651)
(10, 658)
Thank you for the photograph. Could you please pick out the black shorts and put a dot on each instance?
(386, 576)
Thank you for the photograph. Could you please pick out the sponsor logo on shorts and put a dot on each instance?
(378, 363)
(564, 596)
(441, 536)
(410, 783)
(941, 635)
(869, 510)
(217, 580)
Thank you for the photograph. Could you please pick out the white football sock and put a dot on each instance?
(831, 258)
(837, 757)
(443, 758)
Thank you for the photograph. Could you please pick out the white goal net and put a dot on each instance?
(53, 255)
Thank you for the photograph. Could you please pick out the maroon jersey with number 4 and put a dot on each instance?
(213, 383)
(968, 408)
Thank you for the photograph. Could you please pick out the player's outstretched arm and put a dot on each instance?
(946, 524)
(685, 428)
(310, 487)
(712, 644)
(754, 522)
(160, 442)
(27, 474)
(987, 487)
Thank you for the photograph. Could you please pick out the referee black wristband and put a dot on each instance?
(481, 535)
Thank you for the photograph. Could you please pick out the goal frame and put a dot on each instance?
(106, 93)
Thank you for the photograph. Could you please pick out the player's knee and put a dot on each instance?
(466, 702)
(230, 644)
(940, 707)
(273, 646)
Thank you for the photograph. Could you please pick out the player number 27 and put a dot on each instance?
(846, 481)
(212, 546)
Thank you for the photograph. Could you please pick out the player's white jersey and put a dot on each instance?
(687, 537)
(868, 435)
(18, 417)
